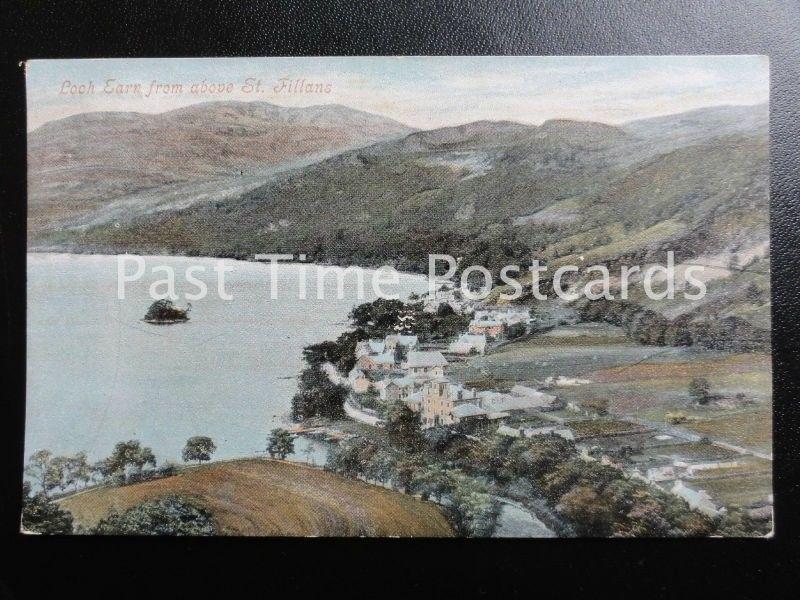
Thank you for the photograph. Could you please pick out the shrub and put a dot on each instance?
(170, 515)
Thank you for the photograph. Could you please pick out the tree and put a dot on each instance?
(516, 330)
(143, 457)
(324, 352)
(589, 513)
(400, 353)
(198, 448)
(280, 443)
(378, 317)
(41, 515)
(380, 466)
(434, 482)
(406, 473)
(318, 396)
(700, 390)
(164, 311)
(79, 469)
(351, 457)
(535, 458)
(44, 469)
(170, 515)
(127, 454)
(403, 426)
(472, 509)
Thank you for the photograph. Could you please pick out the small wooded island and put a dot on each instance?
(164, 312)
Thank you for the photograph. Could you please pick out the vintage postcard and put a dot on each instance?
(399, 296)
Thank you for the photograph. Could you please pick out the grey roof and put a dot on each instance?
(429, 358)
(467, 410)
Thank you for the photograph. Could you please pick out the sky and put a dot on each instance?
(423, 92)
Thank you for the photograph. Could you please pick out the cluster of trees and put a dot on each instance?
(170, 515)
(165, 311)
(379, 318)
(317, 396)
(465, 473)
(52, 472)
(129, 462)
(651, 328)
(410, 461)
(594, 499)
(41, 515)
(126, 464)
(466, 500)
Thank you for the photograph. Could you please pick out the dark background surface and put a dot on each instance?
(37, 566)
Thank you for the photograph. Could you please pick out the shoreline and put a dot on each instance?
(367, 268)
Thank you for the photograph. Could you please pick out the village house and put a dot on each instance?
(376, 362)
(398, 388)
(439, 399)
(699, 500)
(521, 400)
(388, 390)
(359, 382)
(370, 347)
(488, 327)
(529, 432)
(407, 342)
(428, 363)
(510, 315)
(467, 344)
(414, 401)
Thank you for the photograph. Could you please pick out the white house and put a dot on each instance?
(468, 343)
(529, 432)
(521, 399)
(510, 315)
(396, 388)
(699, 500)
(388, 390)
(425, 363)
(370, 347)
(376, 362)
(409, 342)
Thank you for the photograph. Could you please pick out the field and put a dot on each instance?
(602, 427)
(739, 491)
(645, 382)
(256, 497)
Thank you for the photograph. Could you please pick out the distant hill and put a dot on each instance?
(79, 164)
(696, 126)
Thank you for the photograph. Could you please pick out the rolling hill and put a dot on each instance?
(79, 164)
(252, 497)
(493, 193)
